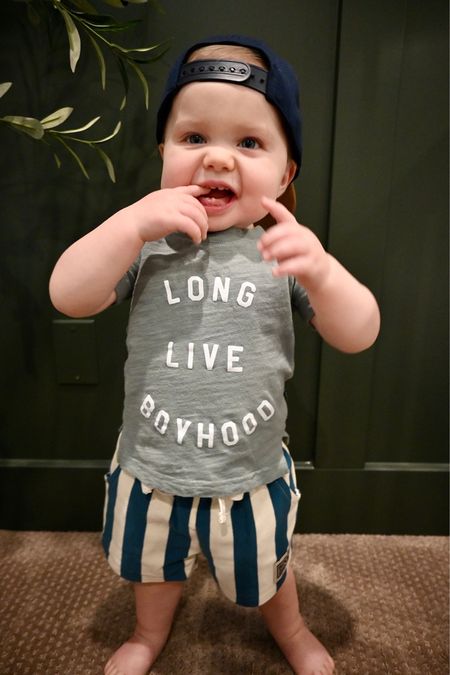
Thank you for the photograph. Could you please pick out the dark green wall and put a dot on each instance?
(368, 432)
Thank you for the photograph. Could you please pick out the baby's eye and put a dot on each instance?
(194, 139)
(249, 143)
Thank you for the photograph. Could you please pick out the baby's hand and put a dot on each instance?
(296, 248)
(171, 210)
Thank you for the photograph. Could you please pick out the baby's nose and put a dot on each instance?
(219, 158)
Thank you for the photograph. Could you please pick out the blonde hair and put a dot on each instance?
(231, 52)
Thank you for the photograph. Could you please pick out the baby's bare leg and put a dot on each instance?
(306, 655)
(155, 609)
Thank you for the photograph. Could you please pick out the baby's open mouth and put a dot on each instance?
(217, 197)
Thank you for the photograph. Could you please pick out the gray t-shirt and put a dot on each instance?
(210, 347)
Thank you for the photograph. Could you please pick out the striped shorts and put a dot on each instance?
(150, 536)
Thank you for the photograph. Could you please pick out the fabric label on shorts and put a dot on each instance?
(280, 566)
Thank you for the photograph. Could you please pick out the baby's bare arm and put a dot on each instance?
(85, 276)
(346, 312)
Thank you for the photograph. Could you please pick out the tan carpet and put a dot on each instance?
(380, 605)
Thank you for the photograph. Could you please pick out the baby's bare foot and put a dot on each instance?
(134, 657)
(306, 655)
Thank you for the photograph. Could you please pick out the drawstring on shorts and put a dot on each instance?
(223, 502)
(222, 510)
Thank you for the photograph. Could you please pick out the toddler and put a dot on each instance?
(201, 463)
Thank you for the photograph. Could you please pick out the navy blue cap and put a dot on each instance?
(278, 84)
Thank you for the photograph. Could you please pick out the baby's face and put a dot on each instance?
(228, 138)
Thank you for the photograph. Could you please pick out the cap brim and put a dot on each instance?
(288, 199)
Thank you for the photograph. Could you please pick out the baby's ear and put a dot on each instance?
(288, 199)
(291, 168)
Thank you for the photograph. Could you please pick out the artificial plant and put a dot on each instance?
(83, 23)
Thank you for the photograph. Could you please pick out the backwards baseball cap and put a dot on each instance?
(278, 84)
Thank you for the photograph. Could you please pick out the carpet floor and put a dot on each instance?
(378, 603)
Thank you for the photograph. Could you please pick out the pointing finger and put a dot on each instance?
(276, 209)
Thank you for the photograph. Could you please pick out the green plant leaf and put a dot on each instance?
(28, 125)
(108, 163)
(100, 59)
(4, 86)
(165, 46)
(57, 160)
(125, 80)
(130, 50)
(152, 60)
(144, 82)
(98, 19)
(75, 131)
(56, 118)
(87, 141)
(74, 39)
(108, 138)
(75, 156)
(107, 23)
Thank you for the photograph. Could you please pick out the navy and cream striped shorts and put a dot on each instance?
(150, 536)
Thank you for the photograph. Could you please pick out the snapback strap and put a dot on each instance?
(236, 72)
